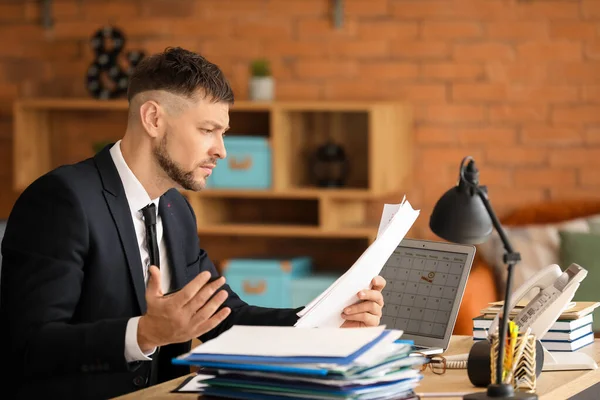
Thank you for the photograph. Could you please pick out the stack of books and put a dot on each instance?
(572, 331)
(256, 362)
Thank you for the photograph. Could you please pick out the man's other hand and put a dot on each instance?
(182, 315)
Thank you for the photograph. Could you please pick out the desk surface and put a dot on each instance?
(550, 384)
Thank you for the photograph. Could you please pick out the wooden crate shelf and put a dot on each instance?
(308, 213)
(377, 138)
(272, 230)
(296, 193)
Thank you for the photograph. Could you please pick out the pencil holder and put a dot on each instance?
(524, 372)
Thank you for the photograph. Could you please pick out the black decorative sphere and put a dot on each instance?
(330, 165)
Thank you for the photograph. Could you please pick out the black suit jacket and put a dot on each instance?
(72, 278)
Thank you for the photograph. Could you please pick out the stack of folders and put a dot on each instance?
(572, 331)
(255, 362)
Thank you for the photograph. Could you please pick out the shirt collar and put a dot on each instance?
(137, 197)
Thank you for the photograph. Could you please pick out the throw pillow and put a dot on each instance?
(595, 224)
(538, 245)
(583, 249)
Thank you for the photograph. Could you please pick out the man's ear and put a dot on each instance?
(150, 117)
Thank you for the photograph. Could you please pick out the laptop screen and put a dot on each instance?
(425, 284)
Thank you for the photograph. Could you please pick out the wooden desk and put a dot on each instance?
(551, 385)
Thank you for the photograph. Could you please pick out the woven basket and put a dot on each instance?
(524, 378)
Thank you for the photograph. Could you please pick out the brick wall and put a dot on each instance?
(516, 84)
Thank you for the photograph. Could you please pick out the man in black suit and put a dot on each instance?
(103, 277)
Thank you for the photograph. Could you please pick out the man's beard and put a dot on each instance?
(173, 170)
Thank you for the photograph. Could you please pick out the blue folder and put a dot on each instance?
(284, 369)
(202, 359)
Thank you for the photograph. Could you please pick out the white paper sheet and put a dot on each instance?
(194, 384)
(287, 341)
(389, 210)
(319, 297)
(380, 350)
(325, 311)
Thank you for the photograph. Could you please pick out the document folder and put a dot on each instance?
(199, 357)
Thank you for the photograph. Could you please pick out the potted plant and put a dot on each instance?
(262, 86)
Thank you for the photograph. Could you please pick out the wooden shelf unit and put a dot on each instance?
(377, 138)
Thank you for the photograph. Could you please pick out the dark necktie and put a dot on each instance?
(149, 213)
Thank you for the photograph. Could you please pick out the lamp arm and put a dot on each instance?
(481, 191)
(510, 259)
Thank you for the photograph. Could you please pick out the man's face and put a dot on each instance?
(193, 142)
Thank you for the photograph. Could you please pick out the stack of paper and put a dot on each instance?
(254, 362)
(326, 309)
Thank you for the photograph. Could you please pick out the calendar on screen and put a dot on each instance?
(422, 288)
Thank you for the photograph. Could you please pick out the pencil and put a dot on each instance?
(519, 353)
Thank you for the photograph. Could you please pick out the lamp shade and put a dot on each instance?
(461, 218)
(460, 215)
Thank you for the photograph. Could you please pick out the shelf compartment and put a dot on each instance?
(231, 211)
(333, 255)
(341, 215)
(301, 133)
(47, 139)
(288, 231)
(249, 123)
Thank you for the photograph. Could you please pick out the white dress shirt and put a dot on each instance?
(138, 198)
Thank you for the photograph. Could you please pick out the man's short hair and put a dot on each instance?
(181, 72)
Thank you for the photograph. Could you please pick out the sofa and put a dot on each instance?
(544, 233)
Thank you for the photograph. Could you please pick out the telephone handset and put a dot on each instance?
(557, 289)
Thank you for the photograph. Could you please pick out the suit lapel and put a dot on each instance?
(119, 208)
(173, 243)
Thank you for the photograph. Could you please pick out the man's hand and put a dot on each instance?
(368, 311)
(183, 315)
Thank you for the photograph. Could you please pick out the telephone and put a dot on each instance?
(556, 290)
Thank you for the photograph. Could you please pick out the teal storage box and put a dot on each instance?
(265, 282)
(307, 288)
(247, 165)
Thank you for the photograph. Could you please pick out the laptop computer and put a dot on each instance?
(425, 284)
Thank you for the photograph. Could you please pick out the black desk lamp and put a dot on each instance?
(464, 215)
